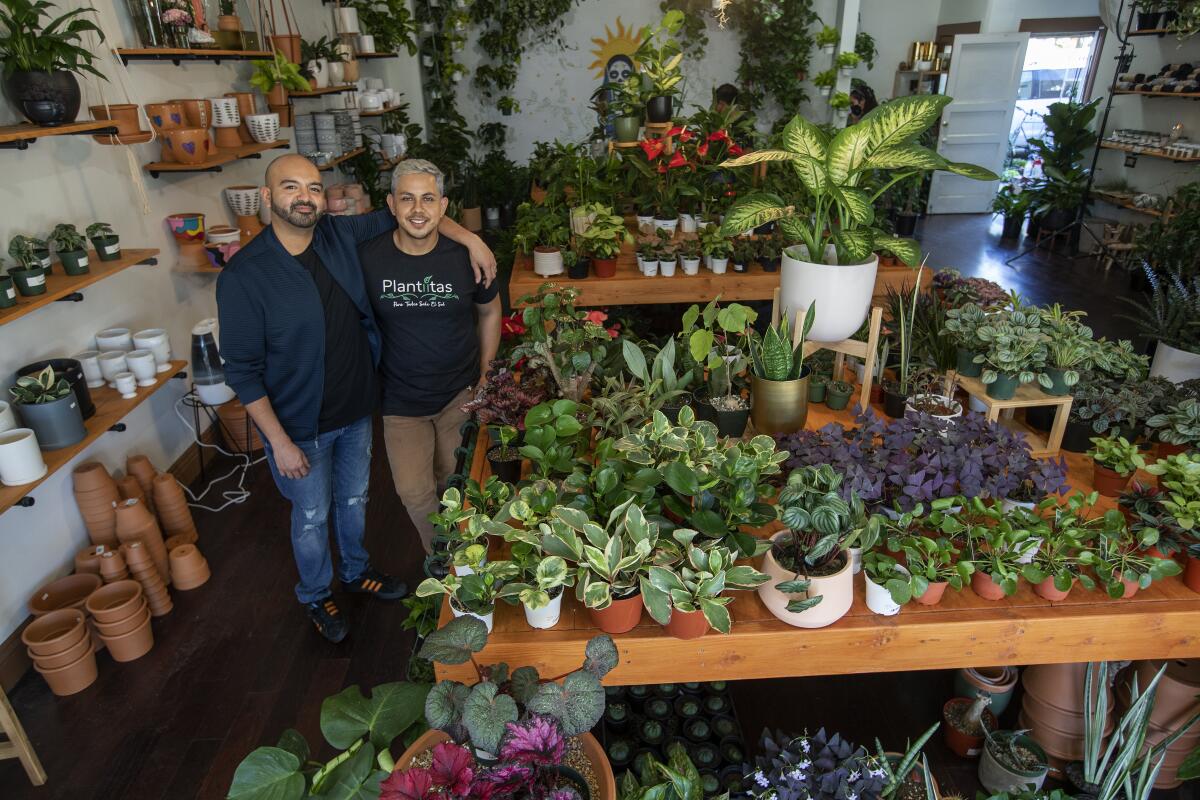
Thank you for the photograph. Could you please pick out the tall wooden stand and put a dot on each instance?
(18, 745)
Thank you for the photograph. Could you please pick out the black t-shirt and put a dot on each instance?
(425, 309)
(351, 388)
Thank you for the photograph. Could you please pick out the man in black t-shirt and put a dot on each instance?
(440, 330)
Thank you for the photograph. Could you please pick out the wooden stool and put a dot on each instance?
(18, 745)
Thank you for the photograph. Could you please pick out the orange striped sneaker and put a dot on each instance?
(378, 585)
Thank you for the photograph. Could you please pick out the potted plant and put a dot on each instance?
(842, 290)
(770, 253)
(965, 720)
(475, 594)
(962, 325)
(540, 585)
(1177, 429)
(840, 103)
(934, 565)
(716, 248)
(689, 255)
(827, 39)
(1011, 762)
(825, 81)
(725, 359)
(227, 19)
(603, 238)
(29, 277)
(575, 263)
(571, 347)
(275, 78)
(896, 393)
(847, 61)
(1014, 354)
(1068, 349)
(30, 249)
(817, 383)
(1013, 204)
(742, 253)
(105, 241)
(690, 597)
(778, 377)
(837, 395)
(46, 403)
(659, 56)
(553, 436)
(995, 551)
(1114, 460)
(888, 584)
(627, 104)
(1122, 568)
(927, 398)
(811, 582)
(42, 55)
(71, 248)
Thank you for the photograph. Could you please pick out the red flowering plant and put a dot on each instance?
(718, 134)
(668, 166)
(573, 346)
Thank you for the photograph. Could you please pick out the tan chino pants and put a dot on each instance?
(421, 455)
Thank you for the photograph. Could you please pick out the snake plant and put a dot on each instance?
(773, 355)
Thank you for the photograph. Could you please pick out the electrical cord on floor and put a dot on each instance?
(231, 497)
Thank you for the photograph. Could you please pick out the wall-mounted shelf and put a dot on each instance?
(66, 287)
(1144, 152)
(341, 89)
(19, 137)
(111, 408)
(1125, 202)
(344, 157)
(1159, 32)
(376, 55)
(1180, 95)
(379, 112)
(223, 156)
(178, 55)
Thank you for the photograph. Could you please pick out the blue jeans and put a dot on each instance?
(339, 463)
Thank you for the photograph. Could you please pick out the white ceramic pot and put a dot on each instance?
(668, 225)
(667, 268)
(89, 361)
(264, 128)
(337, 73)
(855, 554)
(880, 599)
(346, 20)
(141, 364)
(719, 266)
(319, 67)
(836, 591)
(842, 294)
(485, 618)
(546, 616)
(156, 341)
(112, 364)
(650, 268)
(1174, 364)
(645, 224)
(547, 263)
(372, 101)
(225, 112)
(691, 266)
(8, 420)
(687, 223)
(114, 339)
(826, 91)
(244, 200)
(366, 43)
(126, 384)
(20, 457)
(942, 418)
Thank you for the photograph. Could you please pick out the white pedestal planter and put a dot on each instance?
(486, 619)
(20, 457)
(880, 599)
(547, 262)
(546, 616)
(837, 594)
(156, 341)
(842, 294)
(1174, 364)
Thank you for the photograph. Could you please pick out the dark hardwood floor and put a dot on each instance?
(237, 662)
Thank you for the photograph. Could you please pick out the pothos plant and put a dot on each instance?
(833, 170)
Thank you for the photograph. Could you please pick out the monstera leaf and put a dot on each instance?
(391, 709)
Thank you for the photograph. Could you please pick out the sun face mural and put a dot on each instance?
(614, 53)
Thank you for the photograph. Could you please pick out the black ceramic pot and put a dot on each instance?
(659, 109)
(1012, 227)
(72, 370)
(893, 403)
(1077, 437)
(44, 98)
(906, 224)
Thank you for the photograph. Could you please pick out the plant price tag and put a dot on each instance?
(12, 293)
(83, 262)
(36, 280)
(109, 249)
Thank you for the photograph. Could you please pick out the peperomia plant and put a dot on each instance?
(697, 584)
(553, 434)
(1116, 453)
(1179, 482)
(1178, 425)
(477, 592)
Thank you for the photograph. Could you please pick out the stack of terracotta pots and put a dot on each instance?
(998, 682)
(1175, 702)
(142, 569)
(143, 471)
(1052, 708)
(135, 523)
(95, 493)
(173, 512)
(60, 647)
(122, 618)
(242, 433)
(130, 489)
(189, 568)
(69, 592)
(88, 559)
(112, 567)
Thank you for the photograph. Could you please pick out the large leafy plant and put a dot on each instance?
(29, 44)
(660, 55)
(278, 71)
(833, 171)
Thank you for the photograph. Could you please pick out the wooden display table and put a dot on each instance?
(963, 631)
(1027, 395)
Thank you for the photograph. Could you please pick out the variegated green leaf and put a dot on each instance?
(811, 173)
(908, 156)
(805, 139)
(847, 151)
(972, 171)
(755, 210)
(854, 246)
(907, 250)
(896, 122)
(856, 202)
(759, 156)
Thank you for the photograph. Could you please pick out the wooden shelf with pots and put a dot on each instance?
(1181, 95)
(342, 158)
(1143, 151)
(223, 156)
(340, 89)
(1124, 201)
(111, 408)
(379, 112)
(964, 630)
(376, 55)
(61, 287)
(177, 55)
(19, 137)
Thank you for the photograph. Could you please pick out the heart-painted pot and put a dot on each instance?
(188, 145)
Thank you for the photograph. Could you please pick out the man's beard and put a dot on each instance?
(300, 219)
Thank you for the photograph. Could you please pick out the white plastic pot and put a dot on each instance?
(8, 420)
(645, 224)
(719, 265)
(842, 293)
(837, 594)
(667, 267)
(1174, 364)
(943, 418)
(687, 223)
(880, 599)
(547, 263)
(346, 20)
(691, 266)
(20, 457)
(486, 619)
(547, 615)
(668, 225)
(366, 43)
(860, 371)
(650, 268)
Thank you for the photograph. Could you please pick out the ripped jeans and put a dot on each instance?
(339, 465)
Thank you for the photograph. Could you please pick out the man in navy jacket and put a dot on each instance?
(301, 348)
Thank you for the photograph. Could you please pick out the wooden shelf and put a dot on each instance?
(223, 156)
(60, 286)
(1124, 201)
(19, 137)
(341, 89)
(376, 55)
(1150, 32)
(344, 157)
(379, 112)
(111, 408)
(178, 55)
(1125, 148)
(1180, 95)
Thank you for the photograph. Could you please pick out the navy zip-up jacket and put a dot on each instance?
(273, 323)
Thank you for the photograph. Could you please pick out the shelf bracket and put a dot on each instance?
(25, 502)
(148, 261)
(118, 427)
(73, 297)
(179, 376)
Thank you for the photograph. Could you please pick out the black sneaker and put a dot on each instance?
(329, 619)
(378, 585)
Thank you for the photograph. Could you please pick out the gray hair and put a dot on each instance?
(418, 166)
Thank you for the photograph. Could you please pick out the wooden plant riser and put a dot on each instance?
(18, 745)
(1027, 396)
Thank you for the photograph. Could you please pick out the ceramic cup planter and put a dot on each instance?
(112, 364)
(836, 590)
(112, 339)
(157, 342)
(263, 127)
(879, 599)
(54, 632)
(89, 362)
(143, 366)
(621, 616)
(997, 777)
(126, 383)
(20, 457)
(191, 146)
(30, 281)
(546, 616)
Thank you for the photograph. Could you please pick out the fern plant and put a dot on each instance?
(773, 356)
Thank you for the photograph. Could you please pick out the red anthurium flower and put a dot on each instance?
(686, 135)
(702, 149)
(734, 150)
(675, 132)
(652, 147)
(662, 167)
(596, 317)
(718, 136)
(678, 160)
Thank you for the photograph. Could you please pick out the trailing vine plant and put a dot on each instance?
(390, 22)
(448, 143)
(694, 35)
(776, 44)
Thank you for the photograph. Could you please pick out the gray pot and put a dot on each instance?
(58, 424)
(997, 778)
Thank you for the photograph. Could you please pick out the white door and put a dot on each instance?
(985, 74)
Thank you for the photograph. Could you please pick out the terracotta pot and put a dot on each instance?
(1191, 574)
(1066, 723)
(1057, 685)
(620, 617)
(1164, 450)
(185, 558)
(277, 96)
(130, 489)
(139, 466)
(90, 476)
(933, 595)
(687, 624)
(136, 554)
(1131, 588)
(288, 44)
(114, 602)
(130, 623)
(188, 145)
(165, 116)
(1067, 747)
(72, 678)
(192, 580)
(1047, 590)
(175, 541)
(198, 113)
(963, 744)
(998, 682)
(1175, 697)
(54, 632)
(172, 505)
(1108, 482)
(132, 645)
(246, 107)
(983, 585)
(112, 567)
(68, 656)
(88, 559)
(124, 115)
(69, 592)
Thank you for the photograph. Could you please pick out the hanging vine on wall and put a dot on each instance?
(694, 36)
(389, 21)
(776, 44)
(448, 144)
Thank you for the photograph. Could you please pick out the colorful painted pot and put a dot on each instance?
(187, 145)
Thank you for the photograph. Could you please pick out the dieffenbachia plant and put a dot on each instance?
(833, 172)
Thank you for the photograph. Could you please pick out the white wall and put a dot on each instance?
(73, 179)
(954, 12)
(1006, 15)
(895, 26)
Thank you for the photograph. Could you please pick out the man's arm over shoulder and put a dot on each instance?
(243, 342)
